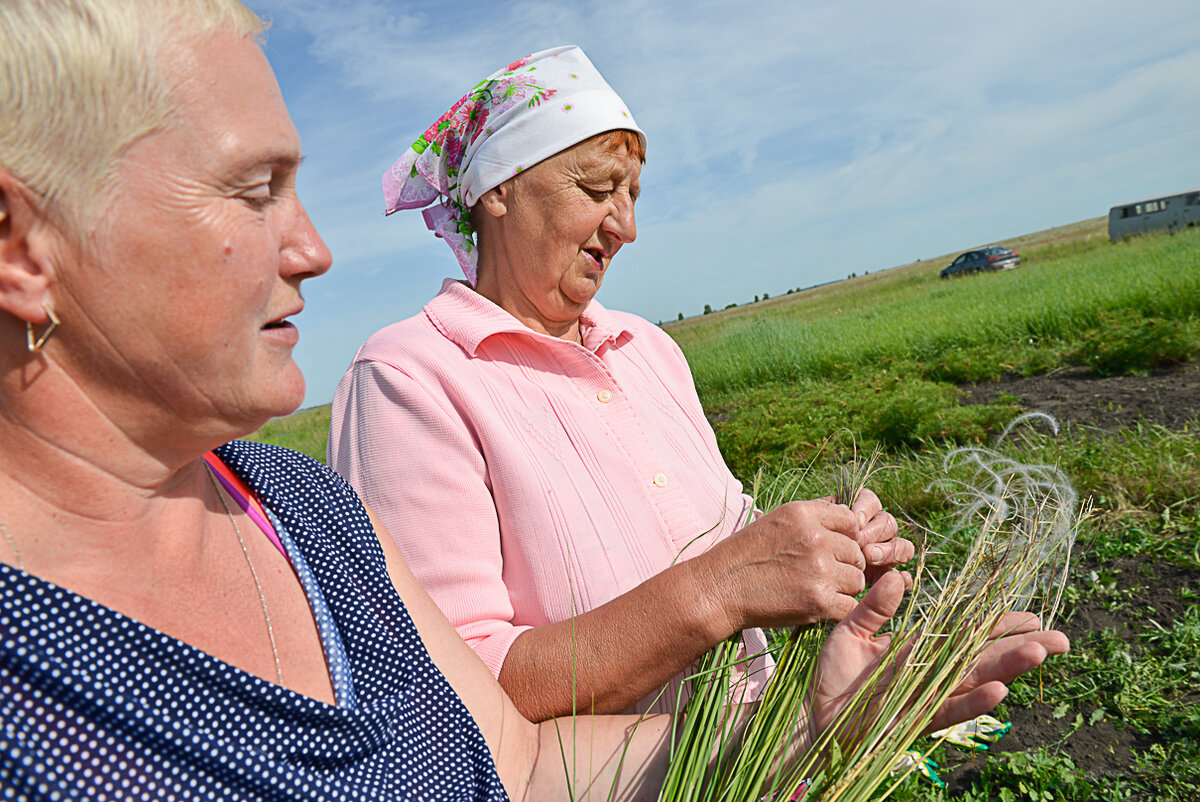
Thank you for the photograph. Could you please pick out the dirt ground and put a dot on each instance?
(1170, 398)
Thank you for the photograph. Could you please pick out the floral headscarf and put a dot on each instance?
(527, 112)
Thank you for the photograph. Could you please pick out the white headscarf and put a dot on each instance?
(533, 108)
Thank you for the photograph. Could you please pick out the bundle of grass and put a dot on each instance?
(1007, 551)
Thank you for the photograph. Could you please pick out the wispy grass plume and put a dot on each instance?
(1014, 525)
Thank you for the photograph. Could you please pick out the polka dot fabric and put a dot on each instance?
(94, 705)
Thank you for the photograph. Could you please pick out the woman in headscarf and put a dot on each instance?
(591, 541)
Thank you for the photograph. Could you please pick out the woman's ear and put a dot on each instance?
(495, 200)
(24, 271)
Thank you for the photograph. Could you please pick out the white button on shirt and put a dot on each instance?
(660, 480)
(604, 396)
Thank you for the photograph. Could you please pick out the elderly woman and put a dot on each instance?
(586, 521)
(180, 622)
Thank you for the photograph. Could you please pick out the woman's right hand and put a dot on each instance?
(798, 564)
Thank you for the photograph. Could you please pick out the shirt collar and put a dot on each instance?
(466, 318)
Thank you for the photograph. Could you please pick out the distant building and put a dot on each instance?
(1164, 213)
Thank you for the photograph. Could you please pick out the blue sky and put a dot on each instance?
(789, 143)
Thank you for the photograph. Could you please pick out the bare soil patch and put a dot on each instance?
(1169, 397)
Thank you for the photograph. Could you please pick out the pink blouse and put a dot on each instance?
(526, 478)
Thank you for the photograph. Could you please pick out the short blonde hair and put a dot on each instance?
(81, 80)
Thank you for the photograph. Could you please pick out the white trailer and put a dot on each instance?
(1164, 213)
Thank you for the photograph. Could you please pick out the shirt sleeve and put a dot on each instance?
(417, 465)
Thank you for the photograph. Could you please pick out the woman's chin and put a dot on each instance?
(278, 397)
(291, 395)
(581, 291)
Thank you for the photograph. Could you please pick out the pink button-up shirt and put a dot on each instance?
(526, 478)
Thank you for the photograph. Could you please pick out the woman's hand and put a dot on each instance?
(854, 649)
(1019, 645)
(877, 536)
(798, 564)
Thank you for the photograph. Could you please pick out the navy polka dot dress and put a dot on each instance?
(94, 705)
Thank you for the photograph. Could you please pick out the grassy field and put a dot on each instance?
(882, 356)
(306, 431)
(805, 378)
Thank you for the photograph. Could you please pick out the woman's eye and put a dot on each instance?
(259, 196)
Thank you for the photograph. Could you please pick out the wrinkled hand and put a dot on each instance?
(1018, 646)
(854, 650)
(877, 536)
(798, 564)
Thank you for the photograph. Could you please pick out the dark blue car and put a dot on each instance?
(995, 257)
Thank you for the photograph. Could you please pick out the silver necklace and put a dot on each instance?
(12, 544)
(262, 599)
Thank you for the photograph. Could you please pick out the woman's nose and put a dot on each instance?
(622, 221)
(305, 253)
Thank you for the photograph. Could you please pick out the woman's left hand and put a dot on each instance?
(877, 537)
(1018, 646)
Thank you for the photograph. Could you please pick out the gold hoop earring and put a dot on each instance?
(36, 345)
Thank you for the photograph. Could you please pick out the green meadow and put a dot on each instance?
(810, 378)
(881, 356)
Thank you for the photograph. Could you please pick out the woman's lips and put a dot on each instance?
(282, 331)
(597, 256)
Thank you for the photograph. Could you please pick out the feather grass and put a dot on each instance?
(1009, 549)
